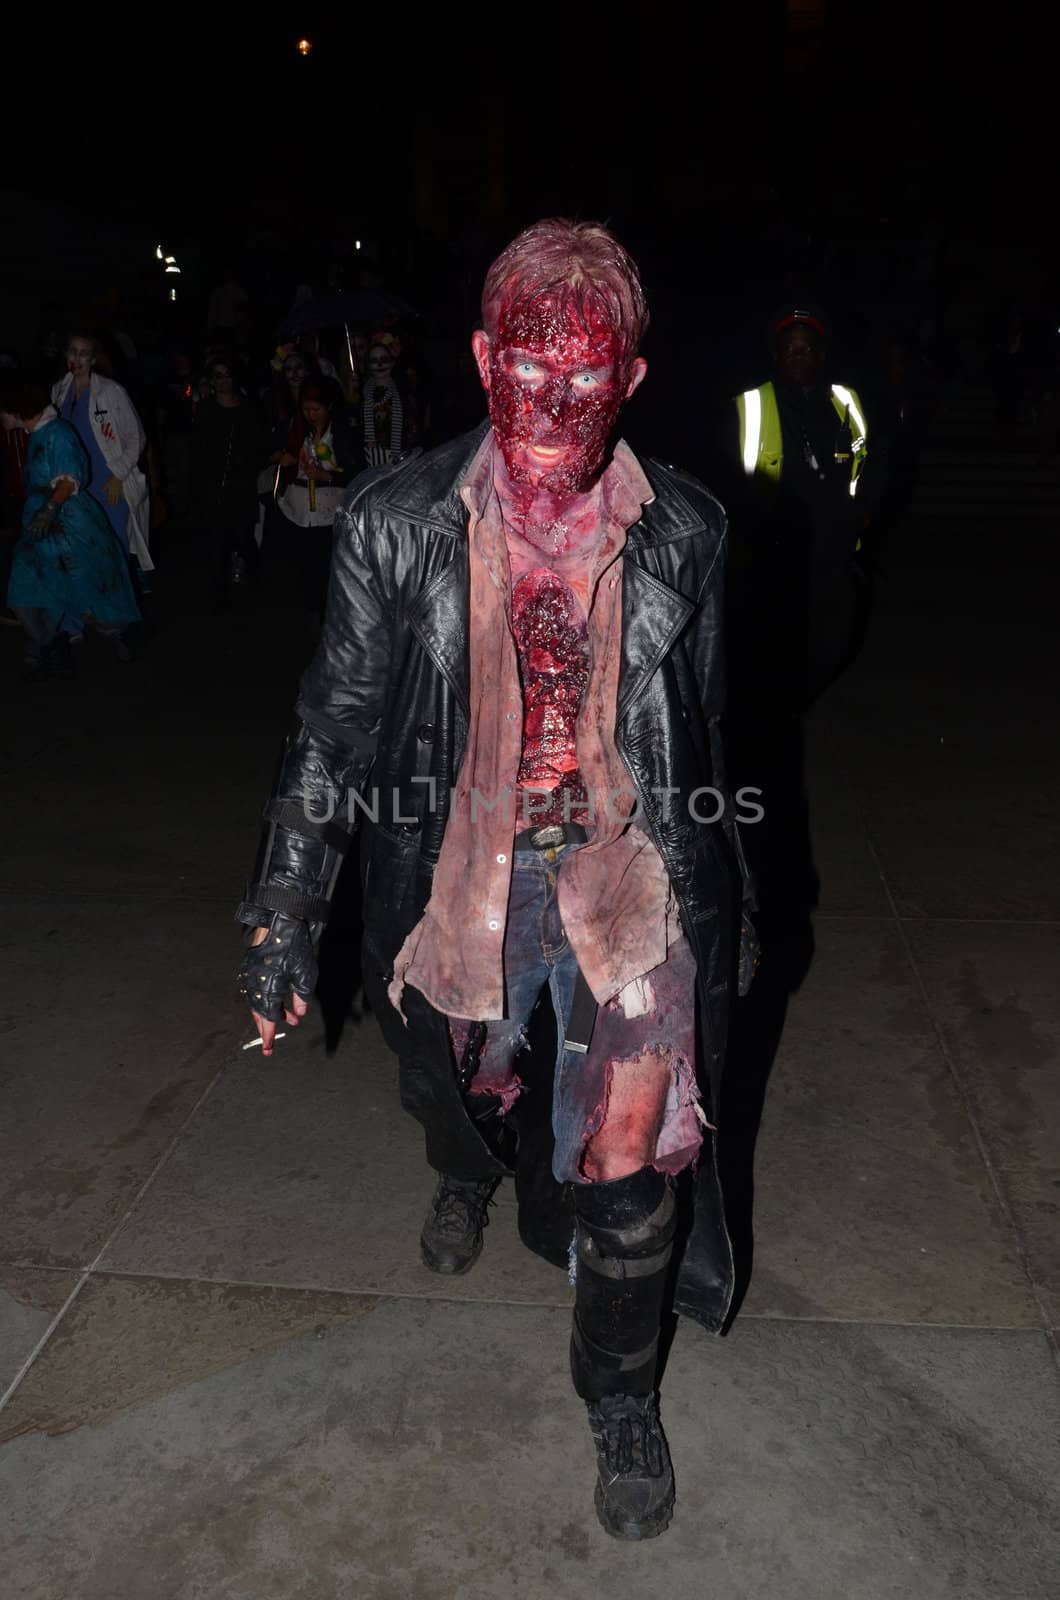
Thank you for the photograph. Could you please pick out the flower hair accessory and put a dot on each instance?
(389, 341)
(282, 352)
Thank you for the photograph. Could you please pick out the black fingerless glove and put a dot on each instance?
(282, 963)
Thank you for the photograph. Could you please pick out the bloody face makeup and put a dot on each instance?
(556, 380)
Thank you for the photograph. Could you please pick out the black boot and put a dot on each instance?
(451, 1241)
(625, 1235)
(635, 1479)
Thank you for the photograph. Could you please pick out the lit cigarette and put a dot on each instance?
(255, 1044)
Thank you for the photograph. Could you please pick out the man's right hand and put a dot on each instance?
(278, 976)
(267, 1029)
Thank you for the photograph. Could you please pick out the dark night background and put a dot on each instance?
(888, 161)
(224, 1370)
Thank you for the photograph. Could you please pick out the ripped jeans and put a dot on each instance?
(635, 1090)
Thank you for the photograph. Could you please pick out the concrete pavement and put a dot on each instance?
(226, 1372)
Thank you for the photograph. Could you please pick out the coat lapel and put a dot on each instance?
(439, 617)
(653, 614)
(426, 494)
(653, 617)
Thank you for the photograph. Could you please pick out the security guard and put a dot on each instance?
(797, 588)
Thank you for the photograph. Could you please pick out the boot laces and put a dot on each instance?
(628, 1439)
(458, 1205)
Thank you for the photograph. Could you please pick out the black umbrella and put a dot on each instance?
(350, 305)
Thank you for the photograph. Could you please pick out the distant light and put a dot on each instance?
(173, 293)
(304, 46)
(357, 244)
(170, 260)
(158, 251)
(173, 269)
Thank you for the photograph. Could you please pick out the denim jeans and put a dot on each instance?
(537, 954)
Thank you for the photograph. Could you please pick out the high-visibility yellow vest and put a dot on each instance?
(762, 441)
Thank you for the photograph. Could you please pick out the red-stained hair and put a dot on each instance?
(582, 264)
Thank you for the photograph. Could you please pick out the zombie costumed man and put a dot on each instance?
(520, 676)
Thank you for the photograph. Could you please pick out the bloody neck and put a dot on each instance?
(558, 523)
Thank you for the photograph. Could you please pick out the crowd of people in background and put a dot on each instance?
(245, 440)
(242, 438)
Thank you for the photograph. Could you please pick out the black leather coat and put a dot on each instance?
(385, 703)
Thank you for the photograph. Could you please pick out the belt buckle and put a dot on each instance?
(549, 837)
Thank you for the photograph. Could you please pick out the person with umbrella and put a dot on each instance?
(390, 419)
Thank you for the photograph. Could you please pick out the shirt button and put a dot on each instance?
(501, 859)
(511, 716)
(494, 926)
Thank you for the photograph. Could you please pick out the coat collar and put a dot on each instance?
(97, 384)
(426, 491)
(653, 614)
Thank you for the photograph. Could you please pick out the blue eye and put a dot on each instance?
(585, 380)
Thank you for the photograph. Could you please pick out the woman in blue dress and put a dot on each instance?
(68, 568)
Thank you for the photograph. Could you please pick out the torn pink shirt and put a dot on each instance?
(614, 893)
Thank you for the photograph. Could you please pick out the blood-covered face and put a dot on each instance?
(556, 381)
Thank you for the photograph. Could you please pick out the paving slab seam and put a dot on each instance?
(39, 1266)
(329, 1288)
(287, 1285)
(960, 1086)
(980, 922)
(87, 1272)
(9, 1392)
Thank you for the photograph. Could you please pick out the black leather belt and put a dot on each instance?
(551, 836)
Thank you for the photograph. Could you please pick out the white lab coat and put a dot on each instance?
(120, 436)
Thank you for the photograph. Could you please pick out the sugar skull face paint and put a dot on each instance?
(380, 363)
(556, 381)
